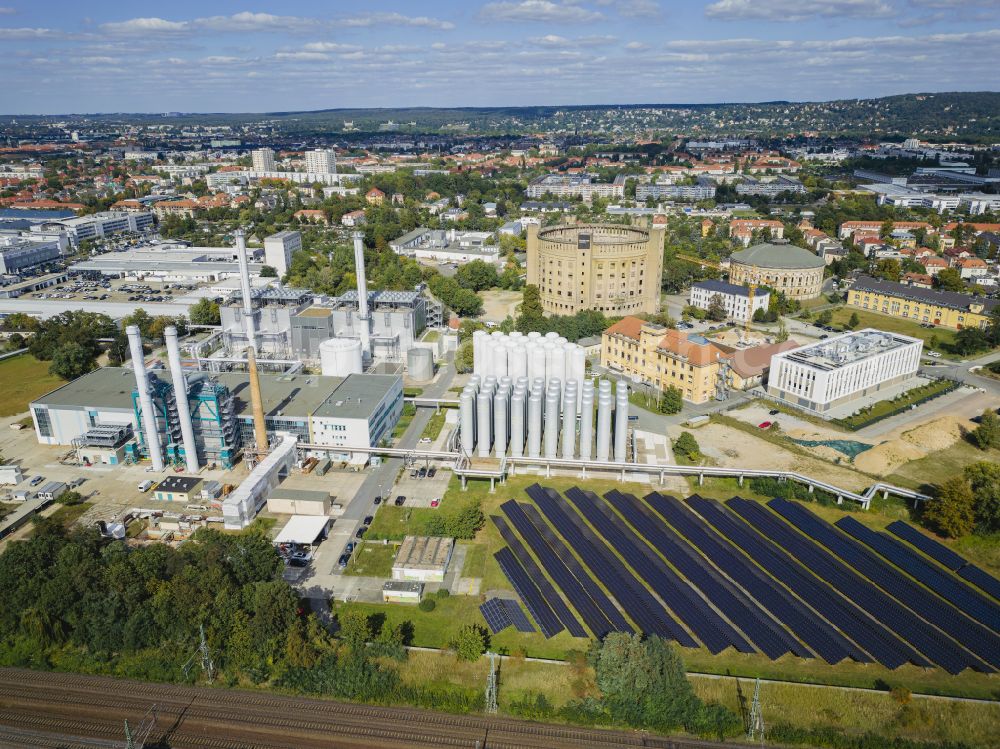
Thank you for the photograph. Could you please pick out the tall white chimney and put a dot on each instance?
(249, 324)
(181, 396)
(145, 398)
(365, 322)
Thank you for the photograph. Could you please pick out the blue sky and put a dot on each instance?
(62, 56)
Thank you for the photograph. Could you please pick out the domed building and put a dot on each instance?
(794, 271)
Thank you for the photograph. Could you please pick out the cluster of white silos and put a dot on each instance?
(534, 356)
(541, 416)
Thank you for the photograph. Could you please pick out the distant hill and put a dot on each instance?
(935, 116)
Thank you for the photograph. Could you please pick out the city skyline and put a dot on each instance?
(306, 55)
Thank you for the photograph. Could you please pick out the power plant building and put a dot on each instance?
(837, 371)
(606, 267)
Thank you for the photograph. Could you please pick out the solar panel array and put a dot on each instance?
(774, 579)
(516, 615)
(947, 558)
(495, 614)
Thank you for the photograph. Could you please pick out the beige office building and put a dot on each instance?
(796, 272)
(611, 268)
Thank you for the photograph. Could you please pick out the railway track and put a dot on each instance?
(41, 709)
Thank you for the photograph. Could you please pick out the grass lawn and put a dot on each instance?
(6, 509)
(886, 408)
(892, 324)
(25, 378)
(66, 515)
(409, 411)
(941, 464)
(372, 559)
(431, 335)
(435, 424)
(413, 392)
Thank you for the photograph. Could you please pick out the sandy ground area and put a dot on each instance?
(729, 448)
(914, 443)
(498, 304)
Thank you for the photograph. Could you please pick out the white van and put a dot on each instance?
(145, 486)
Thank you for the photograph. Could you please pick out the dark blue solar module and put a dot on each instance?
(947, 558)
(708, 626)
(970, 634)
(765, 633)
(516, 615)
(826, 642)
(495, 614)
(635, 599)
(936, 551)
(569, 585)
(552, 598)
(900, 629)
(548, 623)
(593, 590)
(781, 565)
(955, 591)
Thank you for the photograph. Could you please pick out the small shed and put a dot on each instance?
(282, 501)
(177, 489)
(397, 591)
(52, 490)
(11, 475)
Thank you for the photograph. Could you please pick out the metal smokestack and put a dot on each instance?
(145, 398)
(249, 324)
(181, 396)
(359, 270)
(257, 405)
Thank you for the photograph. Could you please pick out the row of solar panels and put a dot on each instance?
(739, 575)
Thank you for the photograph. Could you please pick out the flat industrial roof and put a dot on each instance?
(110, 387)
(848, 348)
(297, 395)
(302, 529)
(424, 552)
(357, 396)
(299, 495)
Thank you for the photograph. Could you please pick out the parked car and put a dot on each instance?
(361, 532)
(344, 559)
(368, 519)
(299, 559)
(422, 473)
(764, 425)
(399, 500)
(435, 502)
(934, 354)
(349, 549)
(378, 500)
(825, 335)
(425, 440)
(37, 480)
(431, 471)
(774, 412)
(413, 473)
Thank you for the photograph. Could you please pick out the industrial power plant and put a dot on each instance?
(529, 396)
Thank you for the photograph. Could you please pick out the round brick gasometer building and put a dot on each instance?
(614, 269)
(794, 271)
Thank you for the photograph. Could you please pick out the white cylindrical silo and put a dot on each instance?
(467, 419)
(621, 421)
(500, 421)
(569, 421)
(586, 420)
(551, 435)
(479, 339)
(340, 357)
(537, 370)
(145, 398)
(557, 366)
(551, 335)
(535, 425)
(534, 335)
(181, 398)
(499, 358)
(578, 366)
(484, 422)
(518, 362)
(517, 415)
(489, 384)
(604, 406)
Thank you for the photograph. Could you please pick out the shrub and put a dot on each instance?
(427, 604)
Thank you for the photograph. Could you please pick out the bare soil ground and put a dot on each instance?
(498, 304)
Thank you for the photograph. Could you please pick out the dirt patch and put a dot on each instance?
(913, 444)
(499, 304)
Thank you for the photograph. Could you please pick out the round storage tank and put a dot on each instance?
(420, 364)
(339, 357)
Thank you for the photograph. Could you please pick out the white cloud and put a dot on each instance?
(538, 11)
(145, 26)
(244, 22)
(797, 10)
(556, 41)
(395, 19)
(302, 56)
(27, 33)
(328, 47)
(639, 8)
(635, 45)
(4, 11)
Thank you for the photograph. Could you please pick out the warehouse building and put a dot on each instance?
(358, 410)
(837, 371)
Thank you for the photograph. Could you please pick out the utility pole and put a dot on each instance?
(138, 740)
(491, 683)
(755, 726)
(202, 651)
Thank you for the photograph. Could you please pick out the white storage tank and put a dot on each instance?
(420, 364)
(339, 357)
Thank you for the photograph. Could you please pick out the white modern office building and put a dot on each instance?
(279, 248)
(263, 160)
(735, 298)
(834, 372)
(321, 161)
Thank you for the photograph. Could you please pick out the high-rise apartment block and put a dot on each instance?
(321, 161)
(263, 160)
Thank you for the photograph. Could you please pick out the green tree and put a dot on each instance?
(464, 358)
(671, 400)
(984, 479)
(72, 360)
(470, 642)
(781, 334)
(477, 275)
(987, 433)
(267, 271)
(825, 317)
(949, 279)
(204, 312)
(970, 341)
(951, 512)
(717, 309)
(888, 269)
(530, 314)
(854, 321)
(687, 446)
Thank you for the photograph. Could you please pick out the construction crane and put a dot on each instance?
(752, 281)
